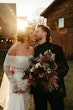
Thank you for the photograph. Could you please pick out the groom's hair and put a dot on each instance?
(46, 29)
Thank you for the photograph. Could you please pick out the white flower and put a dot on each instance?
(32, 69)
(41, 56)
(46, 52)
(38, 65)
(53, 56)
(48, 70)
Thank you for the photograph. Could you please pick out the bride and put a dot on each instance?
(17, 60)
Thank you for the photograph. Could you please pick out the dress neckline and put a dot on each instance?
(19, 56)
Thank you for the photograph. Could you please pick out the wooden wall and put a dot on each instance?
(3, 25)
(63, 8)
(63, 36)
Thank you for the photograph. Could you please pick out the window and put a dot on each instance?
(61, 22)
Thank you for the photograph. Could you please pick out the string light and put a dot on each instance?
(1, 40)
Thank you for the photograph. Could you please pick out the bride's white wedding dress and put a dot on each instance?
(17, 101)
(3, 90)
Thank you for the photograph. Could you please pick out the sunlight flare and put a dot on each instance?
(21, 24)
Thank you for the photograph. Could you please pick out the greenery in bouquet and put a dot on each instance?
(42, 71)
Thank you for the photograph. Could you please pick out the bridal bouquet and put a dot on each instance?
(42, 71)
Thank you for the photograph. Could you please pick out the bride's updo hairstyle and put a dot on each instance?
(23, 35)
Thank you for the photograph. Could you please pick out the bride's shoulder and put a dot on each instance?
(12, 50)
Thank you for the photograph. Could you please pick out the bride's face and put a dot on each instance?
(32, 36)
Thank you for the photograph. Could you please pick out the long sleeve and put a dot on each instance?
(9, 60)
(19, 64)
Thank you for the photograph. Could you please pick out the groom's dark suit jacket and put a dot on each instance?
(60, 61)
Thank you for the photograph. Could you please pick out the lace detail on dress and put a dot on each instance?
(18, 61)
(19, 65)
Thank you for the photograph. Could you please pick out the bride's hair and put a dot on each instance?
(24, 34)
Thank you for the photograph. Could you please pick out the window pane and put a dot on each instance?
(61, 22)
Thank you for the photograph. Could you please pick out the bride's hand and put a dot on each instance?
(20, 91)
(12, 70)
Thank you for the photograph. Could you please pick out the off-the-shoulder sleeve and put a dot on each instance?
(8, 63)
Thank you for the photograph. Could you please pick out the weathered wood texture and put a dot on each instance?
(62, 36)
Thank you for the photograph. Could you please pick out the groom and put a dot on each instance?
(56, 97)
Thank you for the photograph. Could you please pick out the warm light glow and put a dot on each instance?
(30, 9)
(26, 8)
(22, 9)
(21, 24)
(1, 40)
(7, 40)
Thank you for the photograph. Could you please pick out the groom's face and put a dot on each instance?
(38, 33)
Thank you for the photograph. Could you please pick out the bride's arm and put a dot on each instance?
(8, 64)
(9, 60)
(10, 77)
(9, 72)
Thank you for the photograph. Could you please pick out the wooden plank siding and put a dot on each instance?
(61, 36)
